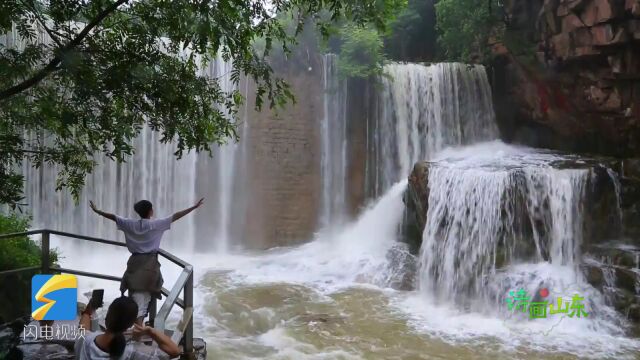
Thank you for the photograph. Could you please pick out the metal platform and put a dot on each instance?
(182, 334)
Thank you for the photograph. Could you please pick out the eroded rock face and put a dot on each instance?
(630, 202)
(614, 269)
(417, 196)
(577, 87)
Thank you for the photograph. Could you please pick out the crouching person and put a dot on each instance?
(112, 344)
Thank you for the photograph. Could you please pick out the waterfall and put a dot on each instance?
(503, 218)
(424, 109)
(334, 145)
(218, 179)
(615, 180)
(152, 173)
(358, 253)
(497, 206)
(555, 207)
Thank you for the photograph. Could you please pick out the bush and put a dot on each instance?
(15, 253)
(19, 251)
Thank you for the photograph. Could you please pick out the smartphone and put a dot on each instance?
(97, 298)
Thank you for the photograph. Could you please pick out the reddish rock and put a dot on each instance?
(498, 48)
(571, 22)
(597, 95)
(595, 61)
(568, 6)
(606, 34)
(582, 37)
(626, 65)
(549, 22)
(585, 51)
(613, 103)
(632, 6)
(633, 28)
(615, 62)
(562, 45)
(598, 11)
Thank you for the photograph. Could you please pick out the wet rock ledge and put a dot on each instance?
(610, 253)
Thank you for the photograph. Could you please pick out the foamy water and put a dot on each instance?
(330, 299)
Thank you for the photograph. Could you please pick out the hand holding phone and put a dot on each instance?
(96, 301)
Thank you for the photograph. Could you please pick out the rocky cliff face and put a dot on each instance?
(568, 75)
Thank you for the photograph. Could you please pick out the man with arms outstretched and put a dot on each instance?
(143, 278)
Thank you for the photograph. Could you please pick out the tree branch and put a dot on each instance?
(43, 23)
(51, 66)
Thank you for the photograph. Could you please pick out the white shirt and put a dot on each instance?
(143, 235)
(87, 349)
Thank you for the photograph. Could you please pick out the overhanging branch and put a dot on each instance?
(52, 65)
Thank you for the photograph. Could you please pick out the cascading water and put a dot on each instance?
(334, 145)
(217, 177)
(502, 219)
(424, 109)
(154, 174)
(499, 218)
(495, 205)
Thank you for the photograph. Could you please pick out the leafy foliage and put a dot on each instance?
(110, 67)
(361, 52)
(361, 47)
(20, 251)
(412, 34)
(466, 26)
(16, 253)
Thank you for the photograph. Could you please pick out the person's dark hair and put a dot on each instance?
(121, 315)
(143, 208)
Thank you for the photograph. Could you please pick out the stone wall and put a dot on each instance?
(570, 76)
(283, 176)
(360, 94)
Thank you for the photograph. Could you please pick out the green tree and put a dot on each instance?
(465, 27)
(111, 66)
(361, 54)
(412, 34)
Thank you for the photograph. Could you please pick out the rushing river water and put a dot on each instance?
(500, 218)
(331, 299)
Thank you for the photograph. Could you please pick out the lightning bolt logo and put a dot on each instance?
(66, 302)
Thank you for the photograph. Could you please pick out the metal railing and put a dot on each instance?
(158, 320)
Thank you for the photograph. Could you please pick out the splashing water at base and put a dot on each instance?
(330, 299)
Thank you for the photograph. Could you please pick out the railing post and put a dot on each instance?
(188, 303)
(45, 252)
